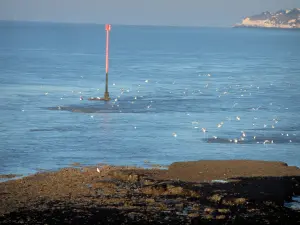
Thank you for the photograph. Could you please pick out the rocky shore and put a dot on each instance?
(283, 19)
(200, 192)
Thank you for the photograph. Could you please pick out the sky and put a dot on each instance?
(140, 12)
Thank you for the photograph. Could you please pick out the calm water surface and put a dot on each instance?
(166, 84)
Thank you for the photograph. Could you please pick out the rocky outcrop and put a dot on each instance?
(287, 19)
(187, 193)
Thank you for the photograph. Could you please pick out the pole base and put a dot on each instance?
(97, 99)
(106, 96)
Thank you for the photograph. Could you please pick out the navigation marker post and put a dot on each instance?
(106, 93)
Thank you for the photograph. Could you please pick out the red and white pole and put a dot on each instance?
(107, 28)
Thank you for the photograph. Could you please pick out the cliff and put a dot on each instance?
(281, 19)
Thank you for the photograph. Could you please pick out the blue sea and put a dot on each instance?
(167, 85)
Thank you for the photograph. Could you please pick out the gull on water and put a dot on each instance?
(243, 133)
(174, 134)
(255, 109)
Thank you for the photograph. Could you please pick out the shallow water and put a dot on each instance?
(294, 204)
(166, 84)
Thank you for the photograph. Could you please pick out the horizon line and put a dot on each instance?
(114, 24)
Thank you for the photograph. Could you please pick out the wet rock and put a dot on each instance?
(9, 176)
(124, 176)
(209, 210)
(224, 211)
(172, 190)
(215, 198)
(173, 202)
(148, 182)
(192, 215)
(233, 201)
(152, 190)
(179, 206)
(150, 200)
(220, 217)
(133, 178)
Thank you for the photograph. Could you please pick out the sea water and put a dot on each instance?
(177, 94)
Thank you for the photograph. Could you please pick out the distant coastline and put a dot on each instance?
(264, 28)
(282, 19)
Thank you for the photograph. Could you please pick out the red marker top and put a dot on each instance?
(107, 27)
